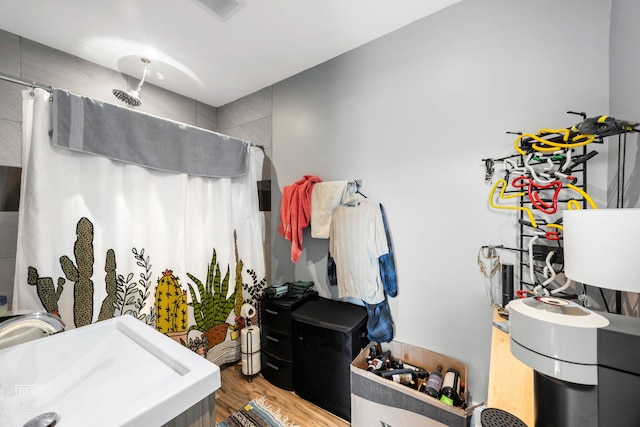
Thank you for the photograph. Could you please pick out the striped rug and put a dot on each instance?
(257, 413)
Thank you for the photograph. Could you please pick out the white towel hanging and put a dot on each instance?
(325, 198)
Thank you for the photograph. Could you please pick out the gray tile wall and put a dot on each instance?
(10, 122)
(248, 118)
(10, 101)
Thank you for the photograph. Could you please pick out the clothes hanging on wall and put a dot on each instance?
(357, 240)
(379, 322)
(295, 212)
(361, 261)
(387, 262)
(326, 197)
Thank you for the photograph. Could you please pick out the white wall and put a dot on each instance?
(625, 92)
(412, 114)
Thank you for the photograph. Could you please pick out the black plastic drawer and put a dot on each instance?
(277, 343)
(277, 317)
(277, 371)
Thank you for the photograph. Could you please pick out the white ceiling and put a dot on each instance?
(197, 53)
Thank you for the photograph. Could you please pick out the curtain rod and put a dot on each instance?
(23, 82)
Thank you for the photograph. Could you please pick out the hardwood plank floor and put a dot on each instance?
(236, 390)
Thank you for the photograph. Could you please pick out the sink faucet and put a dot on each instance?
(46, 322)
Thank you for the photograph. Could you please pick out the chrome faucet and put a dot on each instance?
(47, 323)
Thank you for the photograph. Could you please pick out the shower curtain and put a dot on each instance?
(99, 238)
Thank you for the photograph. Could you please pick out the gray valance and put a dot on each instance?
(119, 133)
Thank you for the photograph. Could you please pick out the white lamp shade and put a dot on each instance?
(602, 247)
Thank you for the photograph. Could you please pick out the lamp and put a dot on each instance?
(602, 248)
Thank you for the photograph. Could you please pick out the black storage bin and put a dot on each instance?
(327, 336)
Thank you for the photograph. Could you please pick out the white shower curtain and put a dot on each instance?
(99, 238)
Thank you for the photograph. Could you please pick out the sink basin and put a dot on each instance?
(118, 372)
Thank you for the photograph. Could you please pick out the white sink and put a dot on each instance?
(119, 372)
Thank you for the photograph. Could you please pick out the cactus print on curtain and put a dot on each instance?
(98, 238)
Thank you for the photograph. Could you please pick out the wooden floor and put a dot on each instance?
(236, 390)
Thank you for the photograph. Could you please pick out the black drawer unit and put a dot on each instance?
(277, 371)
(277, 343)
(275, 338)
(327, 336)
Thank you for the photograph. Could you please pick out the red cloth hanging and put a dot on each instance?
(295, 212)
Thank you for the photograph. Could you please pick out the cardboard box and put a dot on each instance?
(376, 401)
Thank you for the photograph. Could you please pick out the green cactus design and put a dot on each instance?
(108, 304)
(212, 307)
(81, 273)
(239, 266)
(47, 292)
(171, 304)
